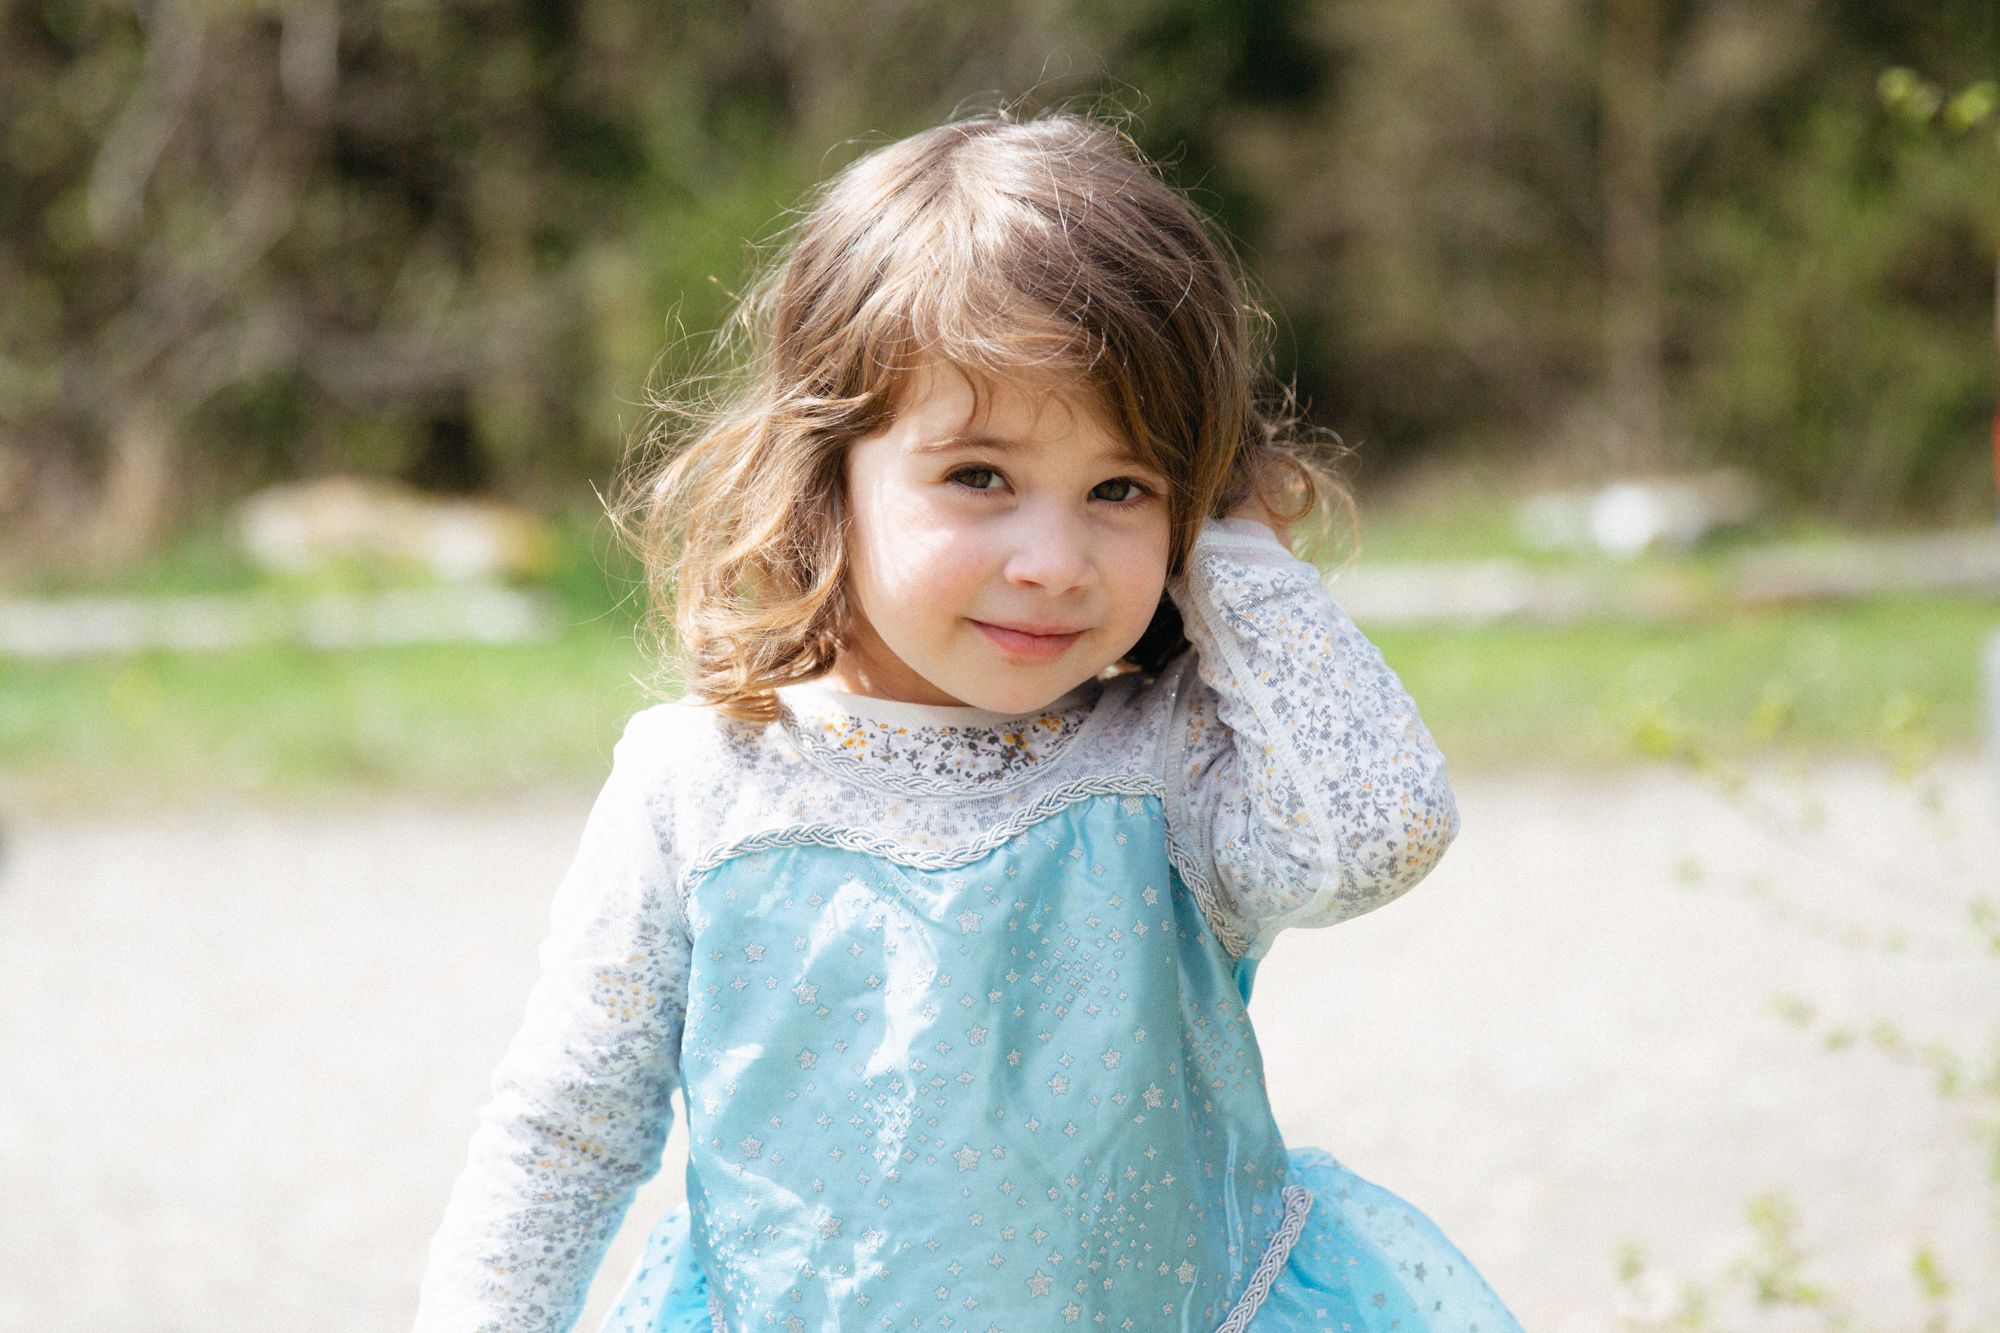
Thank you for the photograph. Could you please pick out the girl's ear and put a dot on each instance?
(1162, 642)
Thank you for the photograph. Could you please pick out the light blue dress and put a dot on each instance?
(958, 1006)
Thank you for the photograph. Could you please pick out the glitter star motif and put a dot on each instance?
(967, 1158)
(806, 991)
(754, 952)
(1110, 1059)
(829, 1227)
(752, 1145)
(807, 1058)
(1154, 1094)
(1185, 1273)
(1071, 1312)
(1059, 1085)
(1038, 1285)
(968, 922)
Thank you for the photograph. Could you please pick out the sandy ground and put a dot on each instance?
(240, 1052)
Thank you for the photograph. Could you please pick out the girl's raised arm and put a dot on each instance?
(1299, 775)
(579, 1111)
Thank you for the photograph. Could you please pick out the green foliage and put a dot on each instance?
(1838, 349)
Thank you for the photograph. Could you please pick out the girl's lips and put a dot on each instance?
(1029, 647)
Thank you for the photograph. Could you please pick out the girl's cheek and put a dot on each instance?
(919, 541)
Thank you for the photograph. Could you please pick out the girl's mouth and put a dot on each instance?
(1026, 646)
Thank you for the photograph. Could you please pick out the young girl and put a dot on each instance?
(1014, 735)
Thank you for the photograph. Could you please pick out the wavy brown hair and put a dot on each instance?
(1044, 250)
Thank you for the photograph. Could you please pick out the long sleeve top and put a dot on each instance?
(937, 982)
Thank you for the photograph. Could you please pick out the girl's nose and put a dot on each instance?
(1053, 554)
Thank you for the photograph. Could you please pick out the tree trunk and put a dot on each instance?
(136, 499)
(1634, 334)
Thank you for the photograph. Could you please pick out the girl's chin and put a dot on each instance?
(997, 696)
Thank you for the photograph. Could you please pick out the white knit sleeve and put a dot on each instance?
(579, 1110)
(1300, 779)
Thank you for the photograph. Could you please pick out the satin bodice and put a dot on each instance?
(1012, 1093)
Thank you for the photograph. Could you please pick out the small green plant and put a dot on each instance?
(1775, 1284)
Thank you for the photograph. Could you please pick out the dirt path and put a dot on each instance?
(240, 1052)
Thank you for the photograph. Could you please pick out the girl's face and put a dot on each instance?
(1001, 562)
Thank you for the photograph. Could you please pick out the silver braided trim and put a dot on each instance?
(920, 858)
(1298, 1202)
(871, 773)
(1204, 897)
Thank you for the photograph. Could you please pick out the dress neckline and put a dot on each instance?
(927, 749)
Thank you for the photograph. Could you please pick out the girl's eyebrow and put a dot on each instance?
(1001, 444)
(970, 440)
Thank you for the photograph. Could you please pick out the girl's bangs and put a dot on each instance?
(993, 335)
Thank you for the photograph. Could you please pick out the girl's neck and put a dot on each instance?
(830, 695)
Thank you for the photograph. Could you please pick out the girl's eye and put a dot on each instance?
(1123, 490)
(1117, 491)
(977, 478)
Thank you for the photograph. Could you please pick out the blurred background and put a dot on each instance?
(1662, 334)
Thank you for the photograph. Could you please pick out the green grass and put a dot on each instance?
(461, 720)
(289, 722)
(1882, 676)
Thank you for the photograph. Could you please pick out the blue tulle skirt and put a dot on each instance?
(1367, 1262)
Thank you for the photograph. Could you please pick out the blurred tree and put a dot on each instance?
(245, 239)
(244, 228)
(1626, 234)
